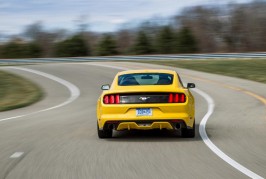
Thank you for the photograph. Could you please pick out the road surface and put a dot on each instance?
(57, 137)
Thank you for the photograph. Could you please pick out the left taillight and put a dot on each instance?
(111, 99)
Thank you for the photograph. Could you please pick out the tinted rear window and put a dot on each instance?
(145, 79)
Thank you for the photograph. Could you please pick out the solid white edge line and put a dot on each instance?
(202, 131)
(16, 155)
(212, 146)
(74, 91)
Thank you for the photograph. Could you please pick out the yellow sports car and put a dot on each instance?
(146, 99)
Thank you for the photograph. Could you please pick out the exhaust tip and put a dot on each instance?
(178, 125)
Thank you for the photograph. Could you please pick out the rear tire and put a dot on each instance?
(104, 133)
(188, 133)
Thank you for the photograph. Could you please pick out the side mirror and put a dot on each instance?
(105, 87)
(191, 85)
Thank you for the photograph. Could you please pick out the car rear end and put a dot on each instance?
(144, 101)
(147, 110)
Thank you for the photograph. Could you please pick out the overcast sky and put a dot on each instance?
(101, 15)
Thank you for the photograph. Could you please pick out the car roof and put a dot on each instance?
(147, 71)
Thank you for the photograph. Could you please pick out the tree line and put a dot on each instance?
(201, 29)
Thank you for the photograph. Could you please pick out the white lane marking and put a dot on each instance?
(212, 146)
(203, 134)
(74, 91)
(16, 155)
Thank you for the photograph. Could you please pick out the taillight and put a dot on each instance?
(182, 98)
(111, 99)
(170, 99)
(106, 99)
(177, 98)
(117, 99)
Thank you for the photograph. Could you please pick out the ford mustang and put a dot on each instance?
(144, 100)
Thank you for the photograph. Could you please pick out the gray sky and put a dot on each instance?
(101, 15)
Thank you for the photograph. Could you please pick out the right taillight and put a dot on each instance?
(177, 98)
(111, 99)
(171, 98)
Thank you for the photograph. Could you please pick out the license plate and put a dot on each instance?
(143, 112)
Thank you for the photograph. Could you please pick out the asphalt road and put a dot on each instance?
(57, 137)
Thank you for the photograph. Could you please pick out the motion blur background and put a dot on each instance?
(66, 28)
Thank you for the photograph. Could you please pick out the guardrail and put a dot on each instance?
(138, 57)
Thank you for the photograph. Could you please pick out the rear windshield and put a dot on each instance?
(145, 79)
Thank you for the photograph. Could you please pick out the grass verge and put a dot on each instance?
(17, 92)
(251, 69)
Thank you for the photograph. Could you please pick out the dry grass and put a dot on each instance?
(17, 92)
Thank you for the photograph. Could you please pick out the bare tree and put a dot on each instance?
(248, 27)
(205, 24)
(125, 40)
(45, 39)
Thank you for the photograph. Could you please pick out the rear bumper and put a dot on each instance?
(126, 116)
(145, 125)
(156, 121)
(134, 125)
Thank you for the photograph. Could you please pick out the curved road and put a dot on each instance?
(57, 137)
